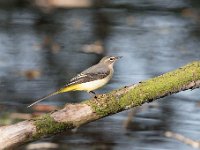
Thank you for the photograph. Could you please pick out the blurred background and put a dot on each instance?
(44, 43)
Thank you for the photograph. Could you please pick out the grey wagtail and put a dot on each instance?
(90, 79)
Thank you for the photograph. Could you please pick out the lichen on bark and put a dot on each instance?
(46, 125)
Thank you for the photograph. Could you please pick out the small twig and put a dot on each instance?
(181, 138)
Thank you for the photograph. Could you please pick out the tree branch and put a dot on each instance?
(75, 115)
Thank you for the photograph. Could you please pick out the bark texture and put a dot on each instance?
(75, 115)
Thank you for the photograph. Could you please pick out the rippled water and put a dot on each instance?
(153, 37)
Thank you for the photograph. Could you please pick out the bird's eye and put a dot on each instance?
(111, 58)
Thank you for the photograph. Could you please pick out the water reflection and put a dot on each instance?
(152, 37)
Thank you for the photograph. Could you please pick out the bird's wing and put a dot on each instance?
(91, 74)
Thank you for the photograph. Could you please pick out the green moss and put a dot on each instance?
(47, 125)
(146, 91)
(161, 85)
(104, 104)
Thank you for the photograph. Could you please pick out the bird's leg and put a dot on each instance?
(92, 93)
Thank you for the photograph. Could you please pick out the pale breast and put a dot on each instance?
(93, 85)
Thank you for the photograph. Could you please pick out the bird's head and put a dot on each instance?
(109, 60)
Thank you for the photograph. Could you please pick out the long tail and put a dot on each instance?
(62, 90)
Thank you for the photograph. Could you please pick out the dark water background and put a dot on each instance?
(153, 36)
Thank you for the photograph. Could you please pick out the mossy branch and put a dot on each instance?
(75, 115)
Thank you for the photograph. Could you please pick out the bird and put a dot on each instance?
(88, 80)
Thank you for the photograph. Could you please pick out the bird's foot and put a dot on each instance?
(93, 94)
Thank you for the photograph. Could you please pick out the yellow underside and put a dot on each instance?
(69, 88)
(88, 86)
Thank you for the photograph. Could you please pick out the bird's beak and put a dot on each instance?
(118, 57)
